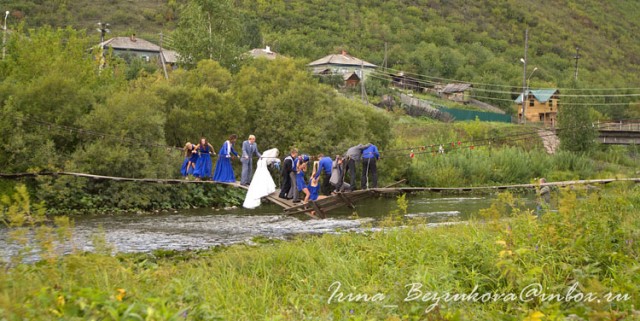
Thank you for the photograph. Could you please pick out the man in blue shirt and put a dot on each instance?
(324, 167)
(370, 157)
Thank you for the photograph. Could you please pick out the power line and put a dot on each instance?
(379, 75)
(505, 86)
(563, 104)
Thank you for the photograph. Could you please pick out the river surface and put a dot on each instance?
(203, 228)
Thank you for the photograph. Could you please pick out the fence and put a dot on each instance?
(420, 107)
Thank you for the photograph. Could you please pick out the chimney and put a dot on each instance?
(344, 53)
(268, 49)
(133, 37)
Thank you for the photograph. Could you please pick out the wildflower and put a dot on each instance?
(534, 316)
(61, 300)
(501, 242)
(351, 311)
(121, 294)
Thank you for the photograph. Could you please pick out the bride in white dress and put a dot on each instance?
(261, 184)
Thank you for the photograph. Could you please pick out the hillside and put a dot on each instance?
(477, 41)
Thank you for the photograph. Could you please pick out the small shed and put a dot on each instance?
(351, 80)
(402, 81)
(458, 92)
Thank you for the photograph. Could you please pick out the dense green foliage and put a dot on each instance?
(60, 112)
(478, 42)
(591, 243)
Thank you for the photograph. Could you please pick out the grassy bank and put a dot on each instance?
(481, 154)
(590, 245)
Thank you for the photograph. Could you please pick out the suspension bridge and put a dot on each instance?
(320, 207)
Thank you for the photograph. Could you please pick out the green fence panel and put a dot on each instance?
(463, 114)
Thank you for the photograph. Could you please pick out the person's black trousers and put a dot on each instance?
(286, 185)
(326, 188)
(351, 169)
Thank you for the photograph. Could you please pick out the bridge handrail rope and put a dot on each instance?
(408, 189)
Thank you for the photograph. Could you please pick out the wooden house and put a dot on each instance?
(343, 64)
(540, 106)
(138, 47)
(351, 80)
(460, 93)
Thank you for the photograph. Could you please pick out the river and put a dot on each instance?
(203, 228)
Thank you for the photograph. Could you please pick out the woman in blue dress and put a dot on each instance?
(188, 165)
(224, 171)
(302, 185)
(203, 164)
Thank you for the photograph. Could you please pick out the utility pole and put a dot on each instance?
(103, 29)
(384, 62)
(524, 74)
(362, 92)
(4, 35)
(164, 65)
(576, 57)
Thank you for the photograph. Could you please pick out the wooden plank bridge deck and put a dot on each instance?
(321, 206)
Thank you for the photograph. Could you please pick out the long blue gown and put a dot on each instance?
(189, 160)
(224, 170)
(300, 181)
(203, 164)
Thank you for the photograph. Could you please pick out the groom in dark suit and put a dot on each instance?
(249, 147)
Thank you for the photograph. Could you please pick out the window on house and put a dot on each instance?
(531, 103)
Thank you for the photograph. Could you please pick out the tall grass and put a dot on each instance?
(591, 242)
(510, 165)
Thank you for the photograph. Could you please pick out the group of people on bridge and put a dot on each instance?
(198, 163)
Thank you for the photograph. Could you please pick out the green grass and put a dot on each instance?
(592, 241)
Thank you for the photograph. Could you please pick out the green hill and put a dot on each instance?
(473, 41)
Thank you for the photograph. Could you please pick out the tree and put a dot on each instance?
(208, 29)
(577, 133)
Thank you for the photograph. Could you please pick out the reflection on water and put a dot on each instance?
(203, 228)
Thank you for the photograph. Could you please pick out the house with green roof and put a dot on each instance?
(541, 105)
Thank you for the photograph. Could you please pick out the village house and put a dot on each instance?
(138, 47)
(460, 93)
(350, 68)
(540, 106)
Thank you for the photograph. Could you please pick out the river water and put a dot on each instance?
(203, 228)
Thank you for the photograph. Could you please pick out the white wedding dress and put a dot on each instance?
(262, 183)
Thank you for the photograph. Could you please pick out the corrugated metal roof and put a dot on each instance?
(542, 95)
(341, 59)
(455, 88)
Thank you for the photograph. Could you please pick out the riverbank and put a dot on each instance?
(590, 245)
